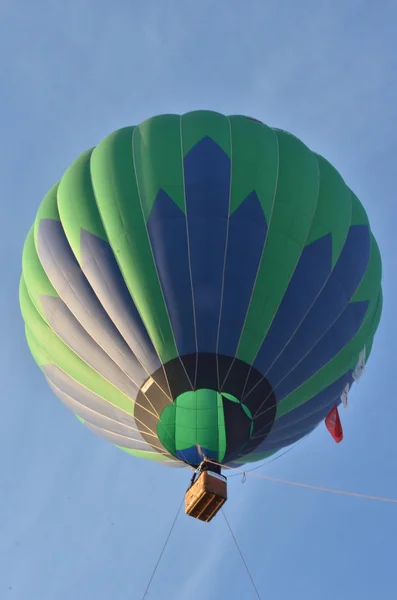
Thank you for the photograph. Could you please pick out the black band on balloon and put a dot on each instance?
(216, 372)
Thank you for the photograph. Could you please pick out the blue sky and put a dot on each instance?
(80, 519)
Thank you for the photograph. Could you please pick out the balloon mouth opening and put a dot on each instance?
(205, 405)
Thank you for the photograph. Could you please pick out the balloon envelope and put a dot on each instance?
(200, 285)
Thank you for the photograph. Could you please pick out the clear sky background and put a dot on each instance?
(81, 520)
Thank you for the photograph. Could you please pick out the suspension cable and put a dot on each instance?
(306, 485)
(241, 555)
(162, 551)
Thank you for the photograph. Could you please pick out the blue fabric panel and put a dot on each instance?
(207, 188)
(168, 238)
(309, 277)
(323, 400)
(102, 271)
(281, 438)
(336, 338)
(269, 446)
(303, 419)
(193, 456)
(334, 297)
(246, 238)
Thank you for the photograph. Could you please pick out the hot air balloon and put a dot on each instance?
(201, 290)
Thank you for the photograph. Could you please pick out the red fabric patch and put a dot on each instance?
(333, 424)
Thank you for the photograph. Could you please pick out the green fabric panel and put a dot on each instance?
(196, 420)
(377, 316)
(254, 163)
(166, 428)
(157, 151)
(371, 282)
(40, 358)
(231, 397)
(359, 216)
(346, 359)
(76, 203)
(63, 357)
(116, 193)
(34, 275)
(80, 419)
(48, 209)
(371, 330)
(247, 411)
(370, 340)
(368, 347)
(334, 209)
(110, 191)
(368, 290)
(290, 223)
(374, 326)
(200, 124)
(222, 441)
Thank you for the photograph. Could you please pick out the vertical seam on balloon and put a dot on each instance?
(75, 352)
(284, 399)
(96, 346)
(138, 342)
(93, 291)
(260, 261)
(86, 406)
(225, 255)
(83, 361)
(137, 308)
(109, 290)
(91, 427)
(193, 385)
(95, 412)
(317, 341)
(306, 313)
(51, 361)
(158, 278)
(181, 452)
(316, 408)
(310, 414)
(188, 250)
(287, 286)
(155, 265)
(341, 373)
(95, 341)
(78, 353)
(369, 315)
(120, 214)
(256, 414)
(372, 316)
(151, 250)
(316, 297)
